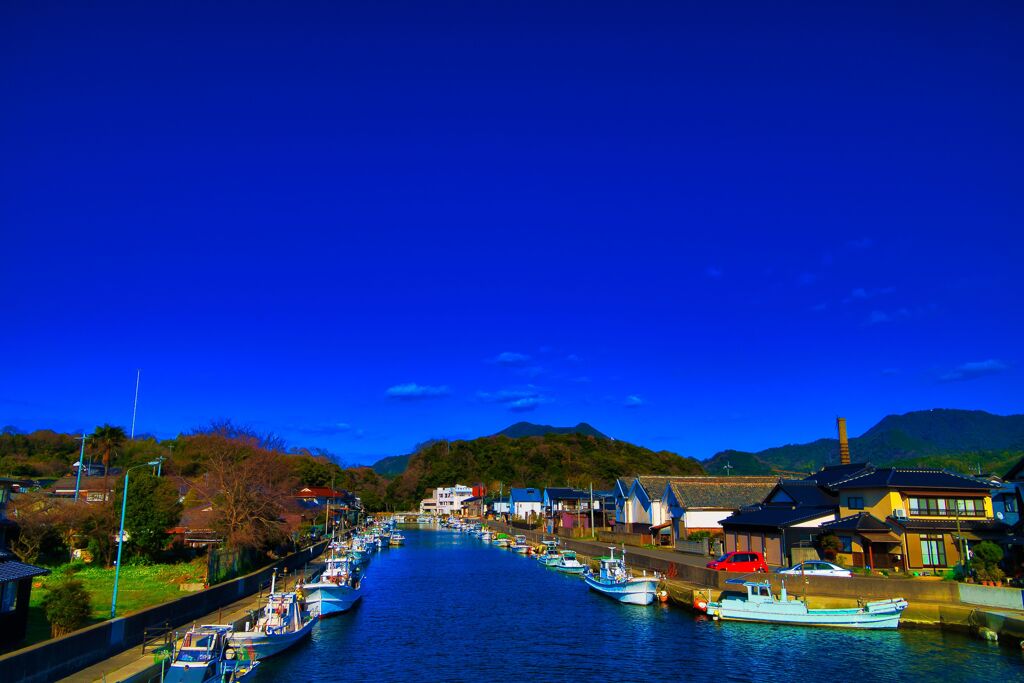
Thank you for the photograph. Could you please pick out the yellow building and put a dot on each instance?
(910, 519)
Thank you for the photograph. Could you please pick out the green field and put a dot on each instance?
(139, 586)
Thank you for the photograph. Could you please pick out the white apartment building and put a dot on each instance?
(446, 500)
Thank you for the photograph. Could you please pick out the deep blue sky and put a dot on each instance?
(362, 225)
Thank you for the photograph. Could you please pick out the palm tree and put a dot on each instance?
(106, 439)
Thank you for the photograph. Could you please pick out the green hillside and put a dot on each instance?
(521, 429)
(391, 466)
(549, 460)
(971, 437)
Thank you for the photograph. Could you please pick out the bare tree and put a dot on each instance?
(35, 515)
(248, 487)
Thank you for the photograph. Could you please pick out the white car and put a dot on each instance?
(817, 568)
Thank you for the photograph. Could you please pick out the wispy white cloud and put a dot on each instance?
(877, 317)
(863, 294)
(526, 404)
(415, 392)
(511, 358)
(507, 395)
(713, 272)
(634, 401)
(818, 308)
(807, 279)
(862, 243)
(974, 370)
(573, 358)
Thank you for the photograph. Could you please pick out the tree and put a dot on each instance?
(100, 525)
(247, 486)
(35, 514)
(107, 439)
(66, 604)
(831, 545)
(152, 509)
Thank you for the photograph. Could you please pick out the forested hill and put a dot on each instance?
(521, 429)
(963, 439)
(549, 460)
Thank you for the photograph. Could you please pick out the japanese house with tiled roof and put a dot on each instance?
(701, 503)
(911, 519)
(15, 578)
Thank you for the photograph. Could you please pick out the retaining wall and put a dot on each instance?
(60, 657)
(992, 596)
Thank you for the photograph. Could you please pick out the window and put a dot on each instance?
(8, 596)
(933, 551)
(855, 502)
(947, 507)
(847, 544)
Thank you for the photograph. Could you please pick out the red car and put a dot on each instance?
(740, 561)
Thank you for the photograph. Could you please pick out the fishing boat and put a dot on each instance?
(204, 657)
(397, 538)
(520, 545)
(502, 541)
(283, 622)
(760, 604)
(550, 555)
(568, 564)
(615, 581)
(336, 590)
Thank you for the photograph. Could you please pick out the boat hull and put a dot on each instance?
(259, 645)
(884, 614)
(328, 598)
(632, 592)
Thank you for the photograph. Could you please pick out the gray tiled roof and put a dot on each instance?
(721, 493)
(12, 570)
(918, 478)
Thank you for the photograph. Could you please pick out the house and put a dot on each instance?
(445, 500)
(788, 517)
(525, 503)
(500, 506)
(621, 493)
(90, 489)
(196, 528)
(1007, 501)
(644, 510)
(15, 578)
(701, 503)
(472, 507)
(932, 516)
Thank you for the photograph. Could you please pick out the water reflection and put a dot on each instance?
(446, 607)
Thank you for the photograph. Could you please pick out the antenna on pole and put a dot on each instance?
(727, 466)
(81, 456)
(135, 406)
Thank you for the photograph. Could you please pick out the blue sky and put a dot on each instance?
(363, 225)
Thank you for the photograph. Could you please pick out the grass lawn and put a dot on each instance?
(139, 586)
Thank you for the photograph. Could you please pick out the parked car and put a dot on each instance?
(817, 568)
(740, 561)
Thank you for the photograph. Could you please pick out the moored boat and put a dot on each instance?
(615, 581)
(204, 657)
(550, 555)
(336, 590)
(568, 564)
(760, 604)
(396, 539)
(520, 545)
(283, 622)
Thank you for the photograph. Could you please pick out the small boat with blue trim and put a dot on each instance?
(550, 555)
(760, 604)
(283, 622)
(615, 581)
(336, 590)
(568, 564)
(204, 657)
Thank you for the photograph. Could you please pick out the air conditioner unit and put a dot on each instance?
(899, 513)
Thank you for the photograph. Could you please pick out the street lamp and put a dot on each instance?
(120, 536)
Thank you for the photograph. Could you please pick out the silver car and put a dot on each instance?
(817, 568)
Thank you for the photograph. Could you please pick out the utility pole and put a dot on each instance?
(593, 531)
(138, 376)
(727, 466)
(81, 456)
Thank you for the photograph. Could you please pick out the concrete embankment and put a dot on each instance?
(933, 603)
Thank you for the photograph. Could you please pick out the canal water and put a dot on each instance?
(448, 607)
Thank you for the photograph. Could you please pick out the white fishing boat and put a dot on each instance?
(336, 590)
(520, 545)
(204, 657)
(550, 555)
(282, 623)
(615, 581)
(568, 564)
(397, 539)
(760, 604)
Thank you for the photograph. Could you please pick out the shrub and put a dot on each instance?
(66, 604)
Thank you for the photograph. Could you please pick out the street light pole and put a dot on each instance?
(81, 457)
(120, 536)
